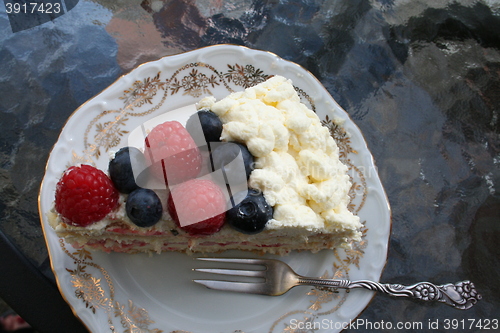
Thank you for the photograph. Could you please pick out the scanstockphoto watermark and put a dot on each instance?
(483, 324)
(357, 324)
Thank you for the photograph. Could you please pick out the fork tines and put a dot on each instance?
(235, 272)
(231, 285)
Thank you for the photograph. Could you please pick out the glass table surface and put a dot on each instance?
(420, 79)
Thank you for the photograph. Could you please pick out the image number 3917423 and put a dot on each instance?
(26, 14)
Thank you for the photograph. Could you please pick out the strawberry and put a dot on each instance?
(172, 153)
(198, 207)
(85, 195)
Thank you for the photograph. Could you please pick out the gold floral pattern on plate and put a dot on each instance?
(91, 290)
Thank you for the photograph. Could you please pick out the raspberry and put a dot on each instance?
(200, 204)
(85, 195)
(172, 153)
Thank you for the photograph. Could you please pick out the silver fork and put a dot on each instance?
(279, 278)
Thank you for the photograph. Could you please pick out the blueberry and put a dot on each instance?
(227, 152)
(144, 207)
(211, 127)
(251, 214)
(121, 171)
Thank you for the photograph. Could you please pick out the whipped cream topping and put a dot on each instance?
(297, 161)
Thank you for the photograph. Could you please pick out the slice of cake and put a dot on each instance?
(254, 171)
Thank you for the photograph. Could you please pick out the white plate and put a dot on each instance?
(140, 293)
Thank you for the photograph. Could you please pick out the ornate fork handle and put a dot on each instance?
(461, 295)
